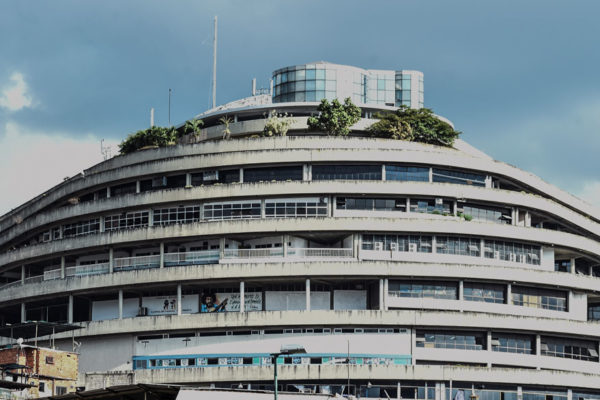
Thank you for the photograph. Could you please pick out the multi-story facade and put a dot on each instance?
(403, 269)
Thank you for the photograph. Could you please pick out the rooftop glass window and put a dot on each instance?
(406, 173)
(268, 174)
(358, 172)
(463, 178)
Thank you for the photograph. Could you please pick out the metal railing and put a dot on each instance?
(140, 262)
(191, 258)
(187, 258)
(254, 253)
(90, 269)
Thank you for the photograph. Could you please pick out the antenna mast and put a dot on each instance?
(214, 80)
(105, 150)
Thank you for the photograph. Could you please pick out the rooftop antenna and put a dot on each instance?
(169, 106)
(105, 150)
(214, 80)
(151, 117)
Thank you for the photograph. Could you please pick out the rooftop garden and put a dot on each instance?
(335, 119)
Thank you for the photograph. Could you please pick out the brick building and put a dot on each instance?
(48, 371)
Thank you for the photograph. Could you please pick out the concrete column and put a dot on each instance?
(150, 217)
(111, 260)
(513, 215)
(138, 187)
(381, 295)
(188, 180)
(284, 244)
(162, 254)
(527, 219)
(102, 224)
(331, 201)
(308, 295)
(23, 313)
(241, 175)
(242, 296)
(179, 299)
(572, 265)
(538, 349)
(22, 274)
(263, 210)
(489, 346)
(482, 248)
(222, 248)
(461, 290)
(305, 172)
(383, 172)
(413, 345)
(569, 394)
(355, 243)
(430, 174)
(309, 172)
(519, 393)
(120, 303)
(408, 204)
(455, 208)
(509, 294)
(70, 311)
(433, 245)
(63, 272)
(385, 293)
(108, 192)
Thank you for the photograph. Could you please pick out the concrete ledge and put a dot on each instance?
(284, 149)
(282, 270)
(391, 318)
(287, 189)
(393, 373)
(276, 226)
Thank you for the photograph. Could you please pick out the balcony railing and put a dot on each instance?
(140, 262)
(276, 254)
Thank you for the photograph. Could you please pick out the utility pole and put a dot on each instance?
(214, 80)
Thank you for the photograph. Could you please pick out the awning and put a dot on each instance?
(29, 329)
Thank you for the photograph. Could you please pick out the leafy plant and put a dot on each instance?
(335, 118)
(416, 125)
(277, 124)
(226, 131)
(467, 217)
(154, 136)
(193, 127)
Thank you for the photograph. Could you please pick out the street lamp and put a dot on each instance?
(286, 349)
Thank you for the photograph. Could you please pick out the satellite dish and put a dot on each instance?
(20, 342)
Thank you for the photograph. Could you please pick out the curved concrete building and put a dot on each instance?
(402, 269)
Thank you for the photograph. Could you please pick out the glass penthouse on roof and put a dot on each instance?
(322, 80)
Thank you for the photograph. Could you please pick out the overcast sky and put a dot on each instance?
(521, 79)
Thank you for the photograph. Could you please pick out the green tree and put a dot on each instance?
(417, 125)
(277, 124)
(226, 131)
(335, 118)
(153, 136)
(192, 127)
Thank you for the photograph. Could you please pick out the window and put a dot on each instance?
(487, 214)
(233, 210)
(135, 219)
(177, 215)
(359, 172)
(594, 312)
(126, 188)
(485, 292)
(449, 340)
(431, 290)
(586, 350)
(458, 245)
(539, 298)
(60, 390)
(49, 360)
(268, 174)
(81, 228)
(462, 178)
(361, 203)
(514, 252)
(421, 244)
(291, 208)
(42, 386)
(212, 177)
(509, 343)
(431, 206)
(402, 173)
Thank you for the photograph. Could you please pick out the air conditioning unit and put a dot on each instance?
(412, 247)
(142, 311)
(513, 257)
(378, 246)
(394, 246)
(497, 255)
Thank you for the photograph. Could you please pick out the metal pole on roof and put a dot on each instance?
(214, 79)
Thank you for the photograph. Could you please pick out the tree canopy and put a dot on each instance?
(415, 125)
(335, 118)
